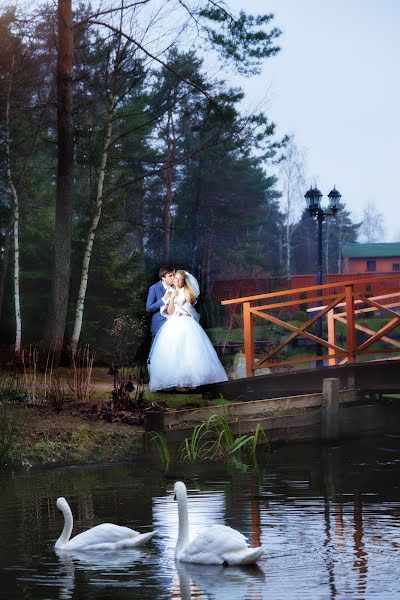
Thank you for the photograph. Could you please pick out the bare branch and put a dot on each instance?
(157, 59)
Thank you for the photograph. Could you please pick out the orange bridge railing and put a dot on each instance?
(344, 302)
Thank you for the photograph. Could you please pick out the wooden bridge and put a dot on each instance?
(344, 302)
(331, 395)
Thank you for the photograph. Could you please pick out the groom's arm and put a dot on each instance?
(152, 304)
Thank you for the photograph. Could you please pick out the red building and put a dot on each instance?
(371, 258)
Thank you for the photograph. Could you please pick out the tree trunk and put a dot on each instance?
(288, 249)
(167, 214)
(169, 178)
(207, 257)
(92, 232)
(4, 264)
(280, 242)
(64, 197)
(14, 195)
(195, 234)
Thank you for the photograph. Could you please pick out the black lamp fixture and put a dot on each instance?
(334, 200)
(313, 198)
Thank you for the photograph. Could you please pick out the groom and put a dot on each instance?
(159, 294)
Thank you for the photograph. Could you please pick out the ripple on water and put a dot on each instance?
(329, 523)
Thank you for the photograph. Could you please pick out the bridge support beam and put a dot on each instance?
(330, 409)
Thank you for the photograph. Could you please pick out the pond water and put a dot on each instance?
(327, 516)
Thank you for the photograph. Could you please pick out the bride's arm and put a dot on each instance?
(171, 304)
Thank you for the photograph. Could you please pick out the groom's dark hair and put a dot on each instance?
(164, 270)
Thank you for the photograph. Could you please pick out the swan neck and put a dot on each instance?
(68, 525)
(183, 531)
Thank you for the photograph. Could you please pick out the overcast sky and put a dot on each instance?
(335, 85)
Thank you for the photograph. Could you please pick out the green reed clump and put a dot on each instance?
(214, 439)
(197, 448)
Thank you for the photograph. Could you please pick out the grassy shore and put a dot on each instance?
(39, 431)
(36, 435)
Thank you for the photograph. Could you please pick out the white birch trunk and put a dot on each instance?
(92, 232)
(14, 195)
(288, 248)
(4, 263)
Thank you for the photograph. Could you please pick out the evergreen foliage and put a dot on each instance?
(189, 177)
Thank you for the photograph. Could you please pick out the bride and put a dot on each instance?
(182, 354)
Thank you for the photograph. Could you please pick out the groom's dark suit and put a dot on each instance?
(153, 305)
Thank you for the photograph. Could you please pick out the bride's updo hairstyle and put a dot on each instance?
(189, 292)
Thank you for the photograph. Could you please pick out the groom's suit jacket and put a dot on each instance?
(153, 305)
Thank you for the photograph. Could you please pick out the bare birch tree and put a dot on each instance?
(6, 233)
(117, 92)
(92, 231)
(373, 225)
(15, 204)
(169, 180)
(292, 183)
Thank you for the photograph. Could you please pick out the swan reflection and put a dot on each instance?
(98, 561)
(210, 582)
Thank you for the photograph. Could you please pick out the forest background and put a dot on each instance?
(120, 150)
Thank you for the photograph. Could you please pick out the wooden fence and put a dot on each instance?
(227, 289)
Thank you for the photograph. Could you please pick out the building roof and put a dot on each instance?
(371, 250)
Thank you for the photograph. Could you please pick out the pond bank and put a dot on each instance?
(39, 436)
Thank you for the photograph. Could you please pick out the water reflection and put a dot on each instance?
(204, 581)
(327, 516)
(111, 563)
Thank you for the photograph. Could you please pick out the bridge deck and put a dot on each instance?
(373, 377)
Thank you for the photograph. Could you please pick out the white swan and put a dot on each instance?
(101, 537)
(217, 545)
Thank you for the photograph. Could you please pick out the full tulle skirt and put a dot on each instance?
(183, 356)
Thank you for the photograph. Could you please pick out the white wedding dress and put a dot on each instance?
(182, 354)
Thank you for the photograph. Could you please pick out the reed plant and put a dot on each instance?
(214, 438)
(30, 372)
(197, 447)
(56, 393)
(37, 373)
(162, 448)
(80, 374)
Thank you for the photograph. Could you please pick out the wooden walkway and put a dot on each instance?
(374, 377)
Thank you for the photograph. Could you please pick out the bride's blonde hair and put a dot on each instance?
(189, 292)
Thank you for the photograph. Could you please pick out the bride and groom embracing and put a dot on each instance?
(181, 354)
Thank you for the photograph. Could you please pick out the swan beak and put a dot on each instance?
(174, 496)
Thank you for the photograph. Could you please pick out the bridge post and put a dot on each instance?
(248, 334)
(331, 335)
(350, 328)
(330, 409)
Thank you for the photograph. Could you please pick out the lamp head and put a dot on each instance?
(313, 198)
(334, 200)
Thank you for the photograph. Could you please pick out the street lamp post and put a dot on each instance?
(313, 198)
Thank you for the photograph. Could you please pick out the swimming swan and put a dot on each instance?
(217, 545)
(101, 537)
